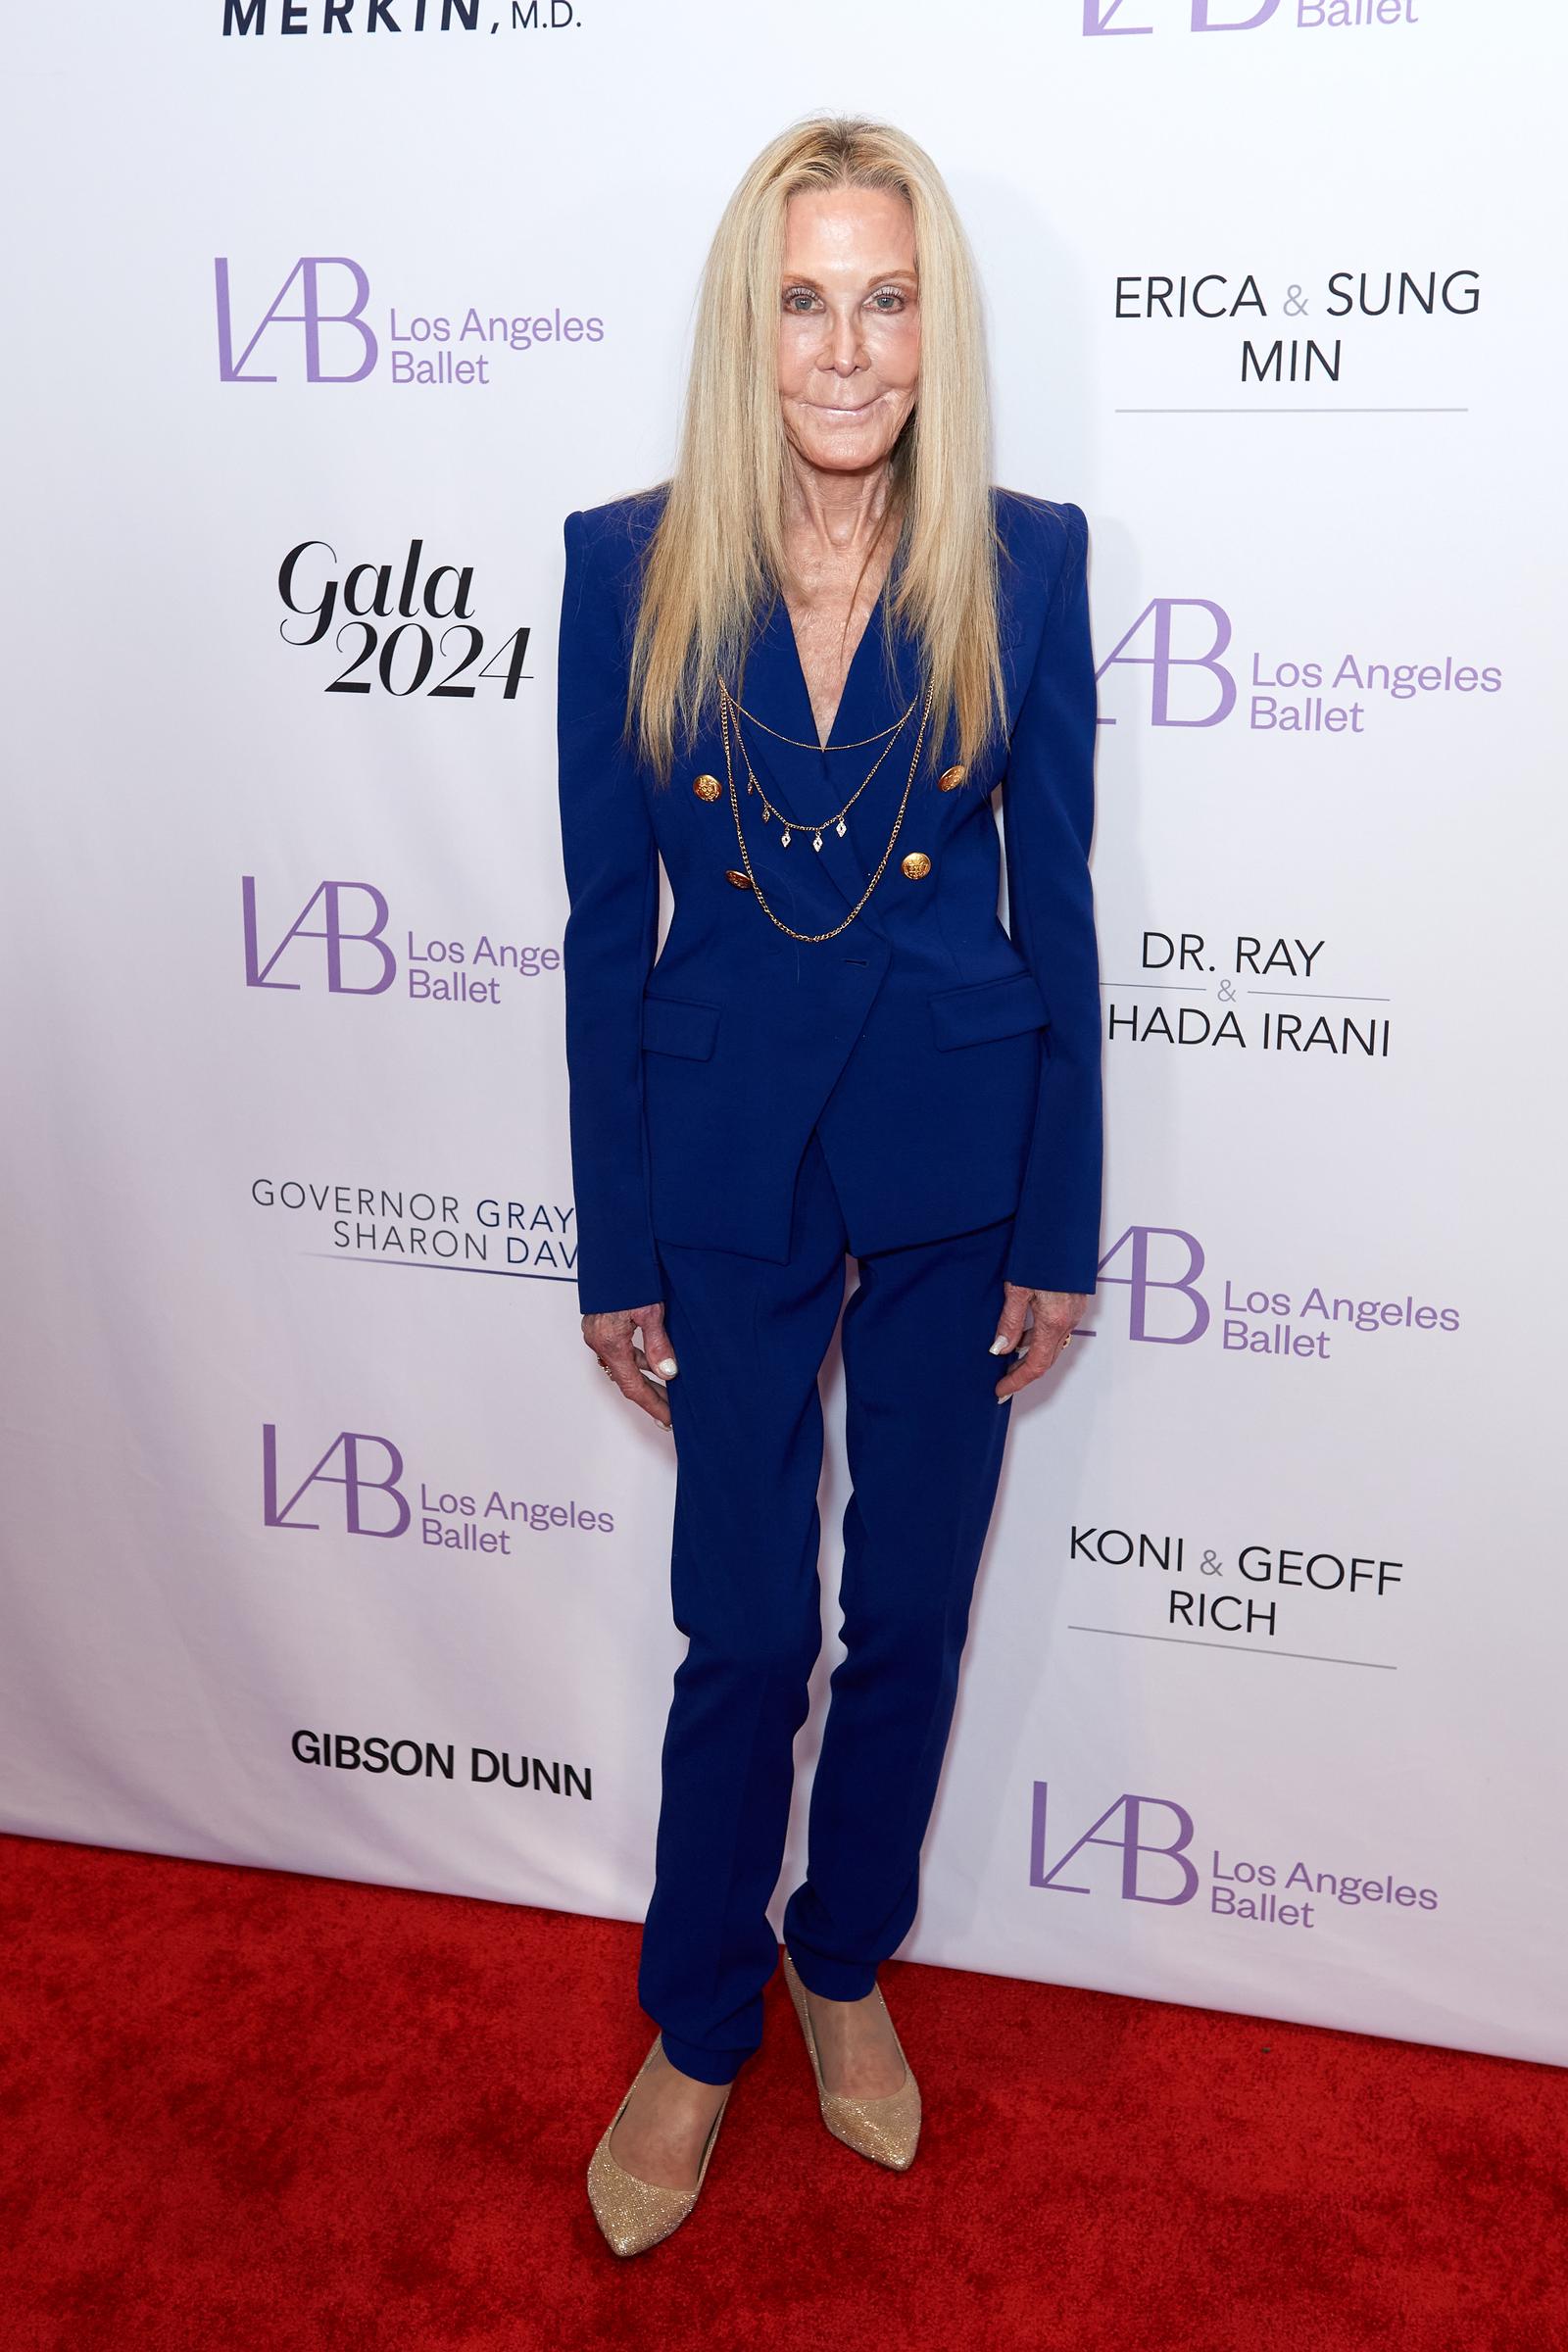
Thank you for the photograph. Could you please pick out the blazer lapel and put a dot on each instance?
(884, 678)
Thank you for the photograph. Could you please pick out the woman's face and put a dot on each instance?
(849, 329)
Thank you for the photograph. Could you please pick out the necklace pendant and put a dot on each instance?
(784, 839)
(841, 828)
(816, 841)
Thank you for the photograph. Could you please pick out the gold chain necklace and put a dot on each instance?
(795, 824)
(859, 745)
(814, 938)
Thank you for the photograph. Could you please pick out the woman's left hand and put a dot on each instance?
(1053, 1314)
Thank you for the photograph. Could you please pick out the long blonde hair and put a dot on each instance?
(718, 550)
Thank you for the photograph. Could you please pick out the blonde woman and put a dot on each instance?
(798, 672)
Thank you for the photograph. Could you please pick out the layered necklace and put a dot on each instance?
(770, 809)
(730, 712)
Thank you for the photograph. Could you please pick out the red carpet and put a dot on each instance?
(243, 2108)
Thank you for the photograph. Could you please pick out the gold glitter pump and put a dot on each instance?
(888, 2130)
(634, 2214)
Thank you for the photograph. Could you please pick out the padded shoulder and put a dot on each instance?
(614, 540)
(624, 526)
(1036, 531)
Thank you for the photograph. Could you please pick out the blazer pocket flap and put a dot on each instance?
(987, 1008)
(679, 1025)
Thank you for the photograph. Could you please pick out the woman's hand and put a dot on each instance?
(628, 1365)
(1054, 1315)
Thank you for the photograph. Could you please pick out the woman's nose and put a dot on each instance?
(842, 350)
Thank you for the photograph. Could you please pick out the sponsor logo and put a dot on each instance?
(1197, 1001)
(254, 19)
(1190, 1582)
(359, 1486)
(412, 1225)
(321, 326)
(437, 1760)
(1360, 340)
(1145, 1849)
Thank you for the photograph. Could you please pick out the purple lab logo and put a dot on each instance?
(1114, 16)
(1158, 1266)
(336, 936)
(1182, 641)
(1150, 1836)
(314, 329)
(316, 315)
(360, 1465)
(1179, 641)
(351, 919)
(1110, 18)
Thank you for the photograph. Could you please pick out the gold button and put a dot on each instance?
(917, 865)
(741, 881)
(951, 778)
(707, 787)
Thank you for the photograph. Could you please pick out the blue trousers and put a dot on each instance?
(925, 1435)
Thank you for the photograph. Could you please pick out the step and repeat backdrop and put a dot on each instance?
(325, 1545)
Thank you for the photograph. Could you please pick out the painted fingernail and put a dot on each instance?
(999, 1345)
(667, 1367)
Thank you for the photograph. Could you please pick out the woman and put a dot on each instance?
(797, 672)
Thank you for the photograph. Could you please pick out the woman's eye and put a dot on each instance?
(888, 301)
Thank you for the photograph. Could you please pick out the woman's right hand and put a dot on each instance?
(627, 1364)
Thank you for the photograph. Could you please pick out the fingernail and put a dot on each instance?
(997, 1346)
(667, 1367)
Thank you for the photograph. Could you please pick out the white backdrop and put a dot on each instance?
(302, 1450)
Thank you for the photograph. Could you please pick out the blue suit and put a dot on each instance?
(920, 1093)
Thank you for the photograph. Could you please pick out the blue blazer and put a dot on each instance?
(950, 1066)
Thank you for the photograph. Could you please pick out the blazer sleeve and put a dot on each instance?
(1048, 817)
(611, 870)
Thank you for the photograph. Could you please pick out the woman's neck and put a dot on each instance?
(834, 515)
